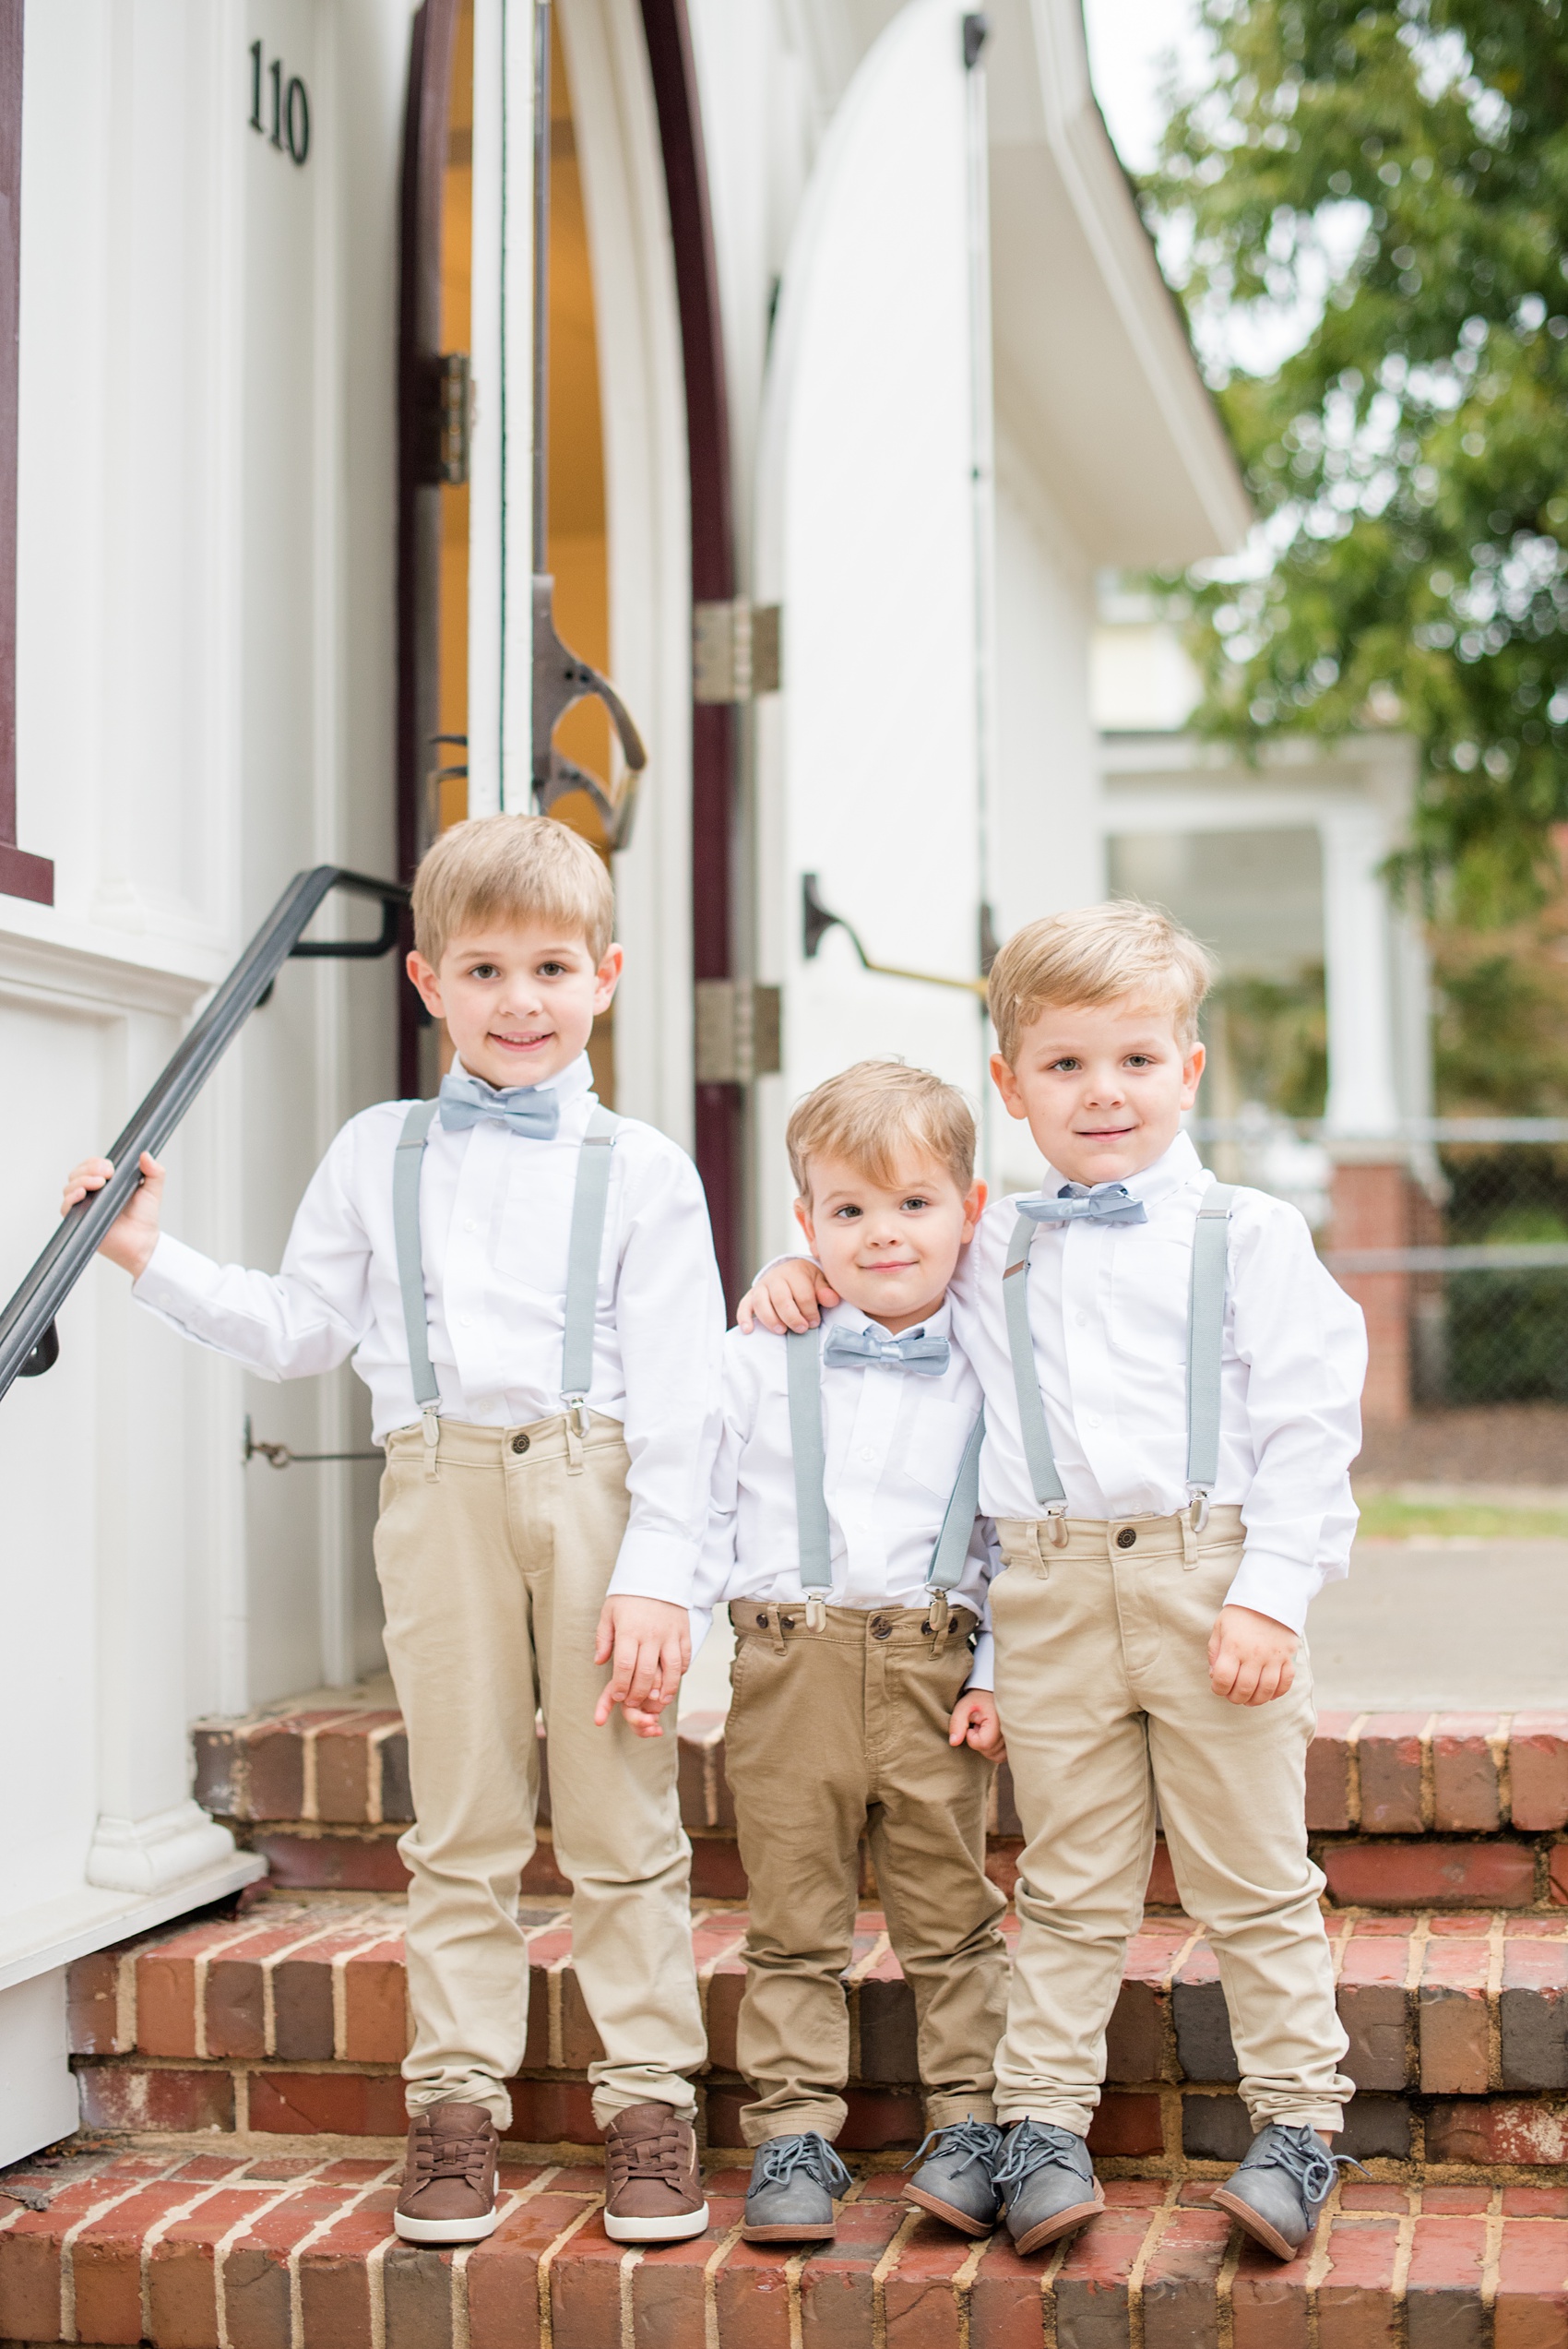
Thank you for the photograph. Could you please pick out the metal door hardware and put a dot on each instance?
(738, 1031)
(736, 651)
(816, 919)
(445, 418)
(280, 1456)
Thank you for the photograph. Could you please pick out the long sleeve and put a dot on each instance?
(670, 1320)
(307, 1316)
(1303, 1342)
(716, 1566)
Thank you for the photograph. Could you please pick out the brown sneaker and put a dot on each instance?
(652, 2181)
(449, 2179)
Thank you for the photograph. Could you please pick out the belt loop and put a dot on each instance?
(1189, 1539)
(772, 1620)
(577, 1428)
(432, 1445)
(1041, 1558)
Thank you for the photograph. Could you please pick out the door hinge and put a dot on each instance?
(736, 651)
(739, 1026)
(445, 418)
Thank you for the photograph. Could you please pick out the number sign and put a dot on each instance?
(288, 105)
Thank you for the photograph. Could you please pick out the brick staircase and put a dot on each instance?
(242, 2105)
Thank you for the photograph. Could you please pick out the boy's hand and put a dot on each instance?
(649, 1643)
(133, 1235)
(792, 1295)
(975, 1723)
(1252, 1658)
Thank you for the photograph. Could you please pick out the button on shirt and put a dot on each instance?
(894, 1442)
(494, 1215)
(1108, 1313)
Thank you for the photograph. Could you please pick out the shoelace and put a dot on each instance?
(973, 2141)
(444, 2156)
(782, 2156)
(1304, 2158)
(656, 2157)
(1032, 2148)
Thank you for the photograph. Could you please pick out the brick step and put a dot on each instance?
(291, 2019)
(1405, 1810)
(183, 2252)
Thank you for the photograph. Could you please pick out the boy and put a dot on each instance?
(844, 1455)
(528, 1287)
(1171, 1420)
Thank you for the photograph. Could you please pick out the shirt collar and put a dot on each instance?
(1169, 1173)
(849, 1317)
(569, 1084)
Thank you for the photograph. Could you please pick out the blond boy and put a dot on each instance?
(845, 1539)
(1172, 1385)
(549, 1406)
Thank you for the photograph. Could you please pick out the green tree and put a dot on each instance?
(1402, 170)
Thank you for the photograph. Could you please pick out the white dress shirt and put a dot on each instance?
(1108, 1313)
(495, 1214)
(893, 1443)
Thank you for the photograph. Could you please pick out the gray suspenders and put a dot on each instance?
(803, 1364)
(589, 1201)
(1205, 1336)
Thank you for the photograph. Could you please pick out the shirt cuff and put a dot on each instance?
(700, 1620)
(983, 1671)
(654, 1565)
(1282, 1588)
(173, 1277)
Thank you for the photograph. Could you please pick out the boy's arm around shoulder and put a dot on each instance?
(1304, 1343)
(716, 1565)
(310, 1315)
(670, 1326)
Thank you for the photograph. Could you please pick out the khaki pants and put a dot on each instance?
(493, 1574)
(833, 1734)
(1102, 1685)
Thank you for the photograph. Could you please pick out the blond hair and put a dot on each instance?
(511, 868)
(1095, 955)
(874, 1116)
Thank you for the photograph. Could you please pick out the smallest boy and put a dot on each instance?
(844, 1453)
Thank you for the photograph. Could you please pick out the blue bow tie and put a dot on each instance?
(857, 1349)
(522, 1109)
(1077, 1203)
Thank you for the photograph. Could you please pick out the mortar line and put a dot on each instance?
(154, 2235)
(546, 2262)
(67, 2254)
(880, 2273)
(1158, 2220)
(324, 2227)
(225, 2244)
(710, 2284)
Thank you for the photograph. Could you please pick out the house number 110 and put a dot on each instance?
(289, 106)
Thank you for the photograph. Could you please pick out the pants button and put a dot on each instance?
(520, 1443)
(1125, 1539)
(881, 1628)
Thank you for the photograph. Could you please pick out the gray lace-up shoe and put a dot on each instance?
(1047, 2181)
(789, 2199)
(1279, 2193)
(958, 2182)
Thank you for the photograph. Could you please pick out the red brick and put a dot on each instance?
(668, 2295)
(725, 1987)
(551, 2112)
(1455, 2051)
(1535, 2201)
(1355, 2301)
(1531, 2310)
(1413, 1876)
(836, 2286)
(503, 2274)
(331, 1863)
(1136, 2041)
(1006, 2304)
(1557, 1874)
(106, 2264)
(344, 1760)
(1497, 2128)
(706, 1800)
(1091, 2283)
(1268, 2301)
(1127, 2126)
(1389, 1749)
(181, 2292)
(1444, 2309)
(325, 2103)
(717, 1872)
(274, 1768)
(919, 2303)
(1538, 1770)
(585, 2290)
(92, 2004)
(753, 2297)
(375, 2004)
(1465, 2201)
(1372, 2007)
(166, 2011)
(1329, 1805)
(139, 2096)
(217, 1753)
(1467, 1795)
(256, 2291)
(1531, 2011)
(1002, 1857)
(1163, 1893)
(580, 2041)
(541, 1879)
(1179, 2309)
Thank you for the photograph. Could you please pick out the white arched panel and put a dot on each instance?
(867, 760)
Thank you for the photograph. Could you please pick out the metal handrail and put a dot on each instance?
(28, 1340)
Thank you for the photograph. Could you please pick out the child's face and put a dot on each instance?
(518, 999)
(1102, 1085)
(889, 1249)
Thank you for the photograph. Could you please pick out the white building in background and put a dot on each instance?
(849, 317)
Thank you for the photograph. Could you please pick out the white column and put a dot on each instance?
(1363, 1097)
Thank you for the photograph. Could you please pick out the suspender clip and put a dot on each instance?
(579, 1413)
(1056, 1519)
(936, 1618)
(1200, 1509)
(816, 1615)
(1193, 1521)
